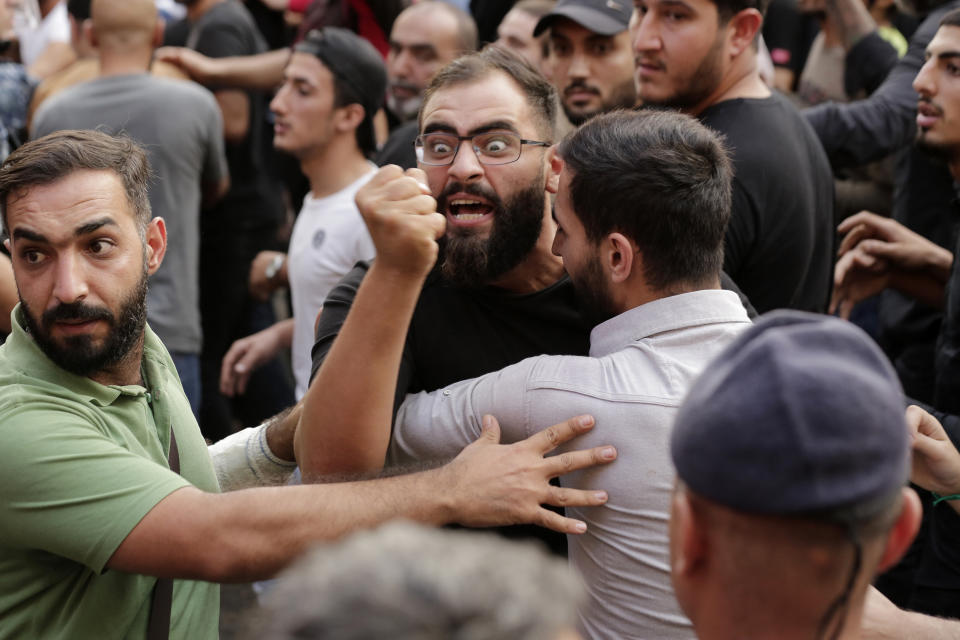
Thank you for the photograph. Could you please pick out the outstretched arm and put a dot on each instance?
(251, 534)
(345, 426)
(262, 71)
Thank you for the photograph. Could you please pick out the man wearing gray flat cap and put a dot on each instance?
(792, 455)
(590, 61)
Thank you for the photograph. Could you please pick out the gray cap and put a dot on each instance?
(606, 17)
(802, 414)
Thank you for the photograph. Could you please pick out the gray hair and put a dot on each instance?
(410, 582)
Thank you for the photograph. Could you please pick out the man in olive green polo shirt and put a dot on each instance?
(90, 513)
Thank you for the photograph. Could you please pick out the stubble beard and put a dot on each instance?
(704, 81)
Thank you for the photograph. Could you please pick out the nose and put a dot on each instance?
(924, 83)
(398, 65)
(466, 166)
(278, 104)
(579, 68)
(644, 35)
(71, 281)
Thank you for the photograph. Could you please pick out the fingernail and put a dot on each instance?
(580, 527)
(601, 496)
(608, 453)
(585, 420)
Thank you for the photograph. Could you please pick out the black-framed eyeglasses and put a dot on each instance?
(491, 147)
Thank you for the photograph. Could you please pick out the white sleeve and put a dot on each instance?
(439, 424)
(243, 460)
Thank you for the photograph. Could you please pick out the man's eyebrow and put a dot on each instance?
(497, 125)
(946, 55)
(27, 234)
(94, 225)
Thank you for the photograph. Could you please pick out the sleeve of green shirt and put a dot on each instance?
(67, 488)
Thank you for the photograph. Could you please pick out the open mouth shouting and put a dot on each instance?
(468, 206)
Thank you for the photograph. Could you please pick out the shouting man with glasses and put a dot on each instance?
(497, 294)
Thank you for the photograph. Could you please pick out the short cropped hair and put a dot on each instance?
(540, 94)
(410, 582)
(951, 19)
(726, 9)
(663, 180)
(55, 156)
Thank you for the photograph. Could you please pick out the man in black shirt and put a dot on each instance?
(700, 57)
(879, 253)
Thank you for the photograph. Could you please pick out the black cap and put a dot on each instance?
(351, 59)
(606, 17)
(801, 415)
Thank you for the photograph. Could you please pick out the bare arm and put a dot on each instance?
(262, 71)
(348, 409)
(235, 108)
(253, 533)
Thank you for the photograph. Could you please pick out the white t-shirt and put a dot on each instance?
(55, 27)
(328, 238)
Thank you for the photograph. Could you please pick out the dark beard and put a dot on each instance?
(79, 355)
(590, 286)
(703, 82)
(471, 261)
(622, 97)
(946, 153)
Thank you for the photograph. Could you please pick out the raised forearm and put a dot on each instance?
(345, 427)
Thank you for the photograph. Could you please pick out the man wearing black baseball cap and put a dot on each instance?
(792, 456)
(333, 85)
(590, 59)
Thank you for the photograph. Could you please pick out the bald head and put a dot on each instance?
(124, 23)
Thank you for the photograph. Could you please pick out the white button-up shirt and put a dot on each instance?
(640, 366)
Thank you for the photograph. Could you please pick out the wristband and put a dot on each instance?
(274, 267)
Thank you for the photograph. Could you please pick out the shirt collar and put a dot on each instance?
(28, 358)
(693, 309)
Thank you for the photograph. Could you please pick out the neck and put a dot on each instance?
(639, 293)
(124, 372)
(786, 616)
(334, 167)
(540, 268)
(124, 62)
(196, 10)
(741, 81)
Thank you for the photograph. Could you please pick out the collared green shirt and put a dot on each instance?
(80, 465)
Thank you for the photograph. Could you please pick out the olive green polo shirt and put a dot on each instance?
(80, 465)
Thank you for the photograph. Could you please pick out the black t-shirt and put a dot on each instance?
(788, 34)
(254, 200)
(398, 149)
(456, 334)
(780, 243)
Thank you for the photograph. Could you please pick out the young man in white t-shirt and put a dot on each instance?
(333, 85)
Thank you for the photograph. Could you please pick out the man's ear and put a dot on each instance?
(620, 255)
(349, 117)
(554, 167)
(744, 26)
(903, 532)
(155, 244)
(158, 33)
(688, 543)
(89, 34)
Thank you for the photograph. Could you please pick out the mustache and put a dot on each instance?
(75, 312)
(471, 189)
(580, 85)
(927, 102)
(402, 84)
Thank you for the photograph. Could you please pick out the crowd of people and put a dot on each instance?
(667, 288)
